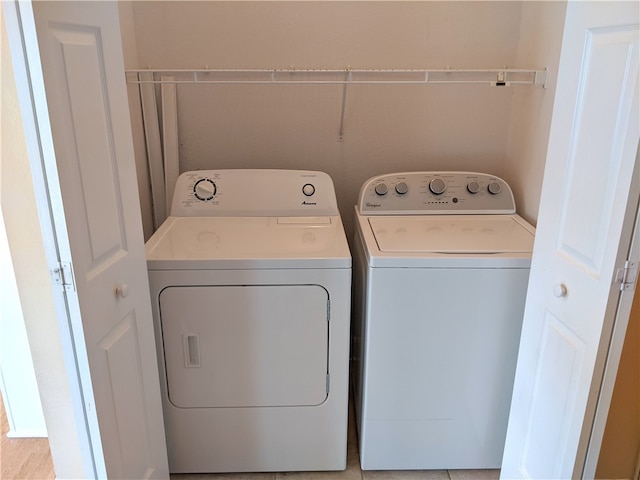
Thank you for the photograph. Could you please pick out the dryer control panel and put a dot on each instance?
(433, 193)
(254, 193)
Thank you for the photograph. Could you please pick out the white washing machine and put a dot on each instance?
(250, 282)
(441, 266)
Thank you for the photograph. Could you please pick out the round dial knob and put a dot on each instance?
(473, 187)
(381, 188)
(437, 186)
(494, 188)
(308, 189)
(204, 189)
(402, 188)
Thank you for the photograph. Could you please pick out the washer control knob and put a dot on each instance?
(494, 188)
(402, 188)
(381, 188)
(204, 189)
(473, 187)
(437, 186)
(308, 189)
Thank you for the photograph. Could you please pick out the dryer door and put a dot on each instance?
(245, 346)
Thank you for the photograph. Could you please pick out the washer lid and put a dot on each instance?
(248, 242)
(451, 234)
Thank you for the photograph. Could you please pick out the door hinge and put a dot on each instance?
(63, 276)
(627, 275)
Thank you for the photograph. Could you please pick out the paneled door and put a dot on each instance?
(78, 48)
(582, 240)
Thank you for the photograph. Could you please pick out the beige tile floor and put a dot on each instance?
(353, 471)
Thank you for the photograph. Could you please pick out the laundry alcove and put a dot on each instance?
(387, 125)
(305, 97)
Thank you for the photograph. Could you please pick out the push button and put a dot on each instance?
(308, 189)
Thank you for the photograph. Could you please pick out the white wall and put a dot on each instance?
(541, 29)
(17, 377)
(387, 128)
(130, 53)
(18, 380)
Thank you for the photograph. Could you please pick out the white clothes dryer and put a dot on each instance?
(250, 282)
(441, 266)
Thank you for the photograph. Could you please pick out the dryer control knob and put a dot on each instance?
(437, 186)
(473, 187)
(381, 188)
(402, 188)
(204, 189)
(494, 188)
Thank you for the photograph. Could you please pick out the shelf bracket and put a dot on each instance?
(540, 77)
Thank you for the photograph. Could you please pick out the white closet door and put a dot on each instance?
(83, 69)
(580, 242)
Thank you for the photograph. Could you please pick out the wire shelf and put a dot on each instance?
(493, 77)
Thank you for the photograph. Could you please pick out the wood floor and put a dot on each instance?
(24, 458)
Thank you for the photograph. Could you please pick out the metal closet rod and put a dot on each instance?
(347, 76)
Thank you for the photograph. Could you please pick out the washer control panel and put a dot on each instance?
(254, 193)
(429, 193)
